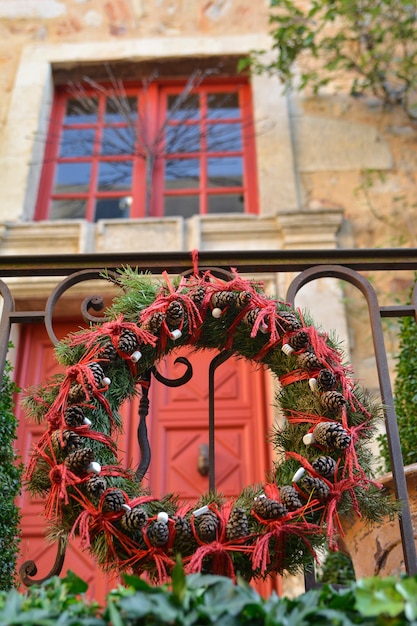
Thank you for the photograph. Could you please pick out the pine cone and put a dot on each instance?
(308, 360)
(113, 501)
(158, 533)
(197, 295)
(135, 519)
(316, 487)
(300, 340)
(78, 461)
(108, 352)
(66, 441)
(184, 538)
(96, 485)
(174, 314)
(332, 435)
(237, 525)
(221, 299)
(287, 321)
(332, 401)
(326, 380)
(290, 498)
(243, 298)
(207, 525)
(251, 315)
(128, 342)
(76, 394)
(325, 466)
(74, 416)
(154, 323)
(98, 373)
(268, 508)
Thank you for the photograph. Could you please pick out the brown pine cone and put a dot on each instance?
(332, 401)
(290, 498)
(222, 299)
(251, 315)
(300, 340)
(98, 373)
(96, 485)
(207, 525)
(325, 466)
(108, 352)
(128, 342)
(154, 323)
(197, 295)
(174, 314)
(135, 519)
(78, 461)
(268, 508)
(65, 441)
(287, 321)
(308, 360)
(237, 525)
(326, 380)
(317, 488)
(243, 298)
(331, 435)
(76, 394)
(158, 533)
(184, 539)
(74, 416)
(113, 501)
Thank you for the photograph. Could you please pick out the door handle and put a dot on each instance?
(203, 459)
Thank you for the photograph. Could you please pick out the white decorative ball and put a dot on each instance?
(216, 313)
(87, 422)
(313, 384)
(106, 380)
(163, 517)
(94, 468)
(136, 356)
(175, 334)
(308, 439)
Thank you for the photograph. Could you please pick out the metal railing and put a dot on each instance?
(349, 266)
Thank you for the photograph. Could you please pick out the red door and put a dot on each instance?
(178, 426)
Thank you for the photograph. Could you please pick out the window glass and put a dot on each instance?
(182, 107)
(182, 173)
(223, 105)
(68, 209)
(183, 206)
(114, 175)
(230, 203)
(112, 208)
(77, 142)
(182, 138)
(225, 172)
(120, 108)
(81, 111)
(117, 141)
(224, 137)
(72, 177)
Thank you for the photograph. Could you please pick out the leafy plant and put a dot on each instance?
(405, 394)
(200, 600)
(369, 43)
(10, 481)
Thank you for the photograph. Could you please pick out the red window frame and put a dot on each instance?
(152, 107)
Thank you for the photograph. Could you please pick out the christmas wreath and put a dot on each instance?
(323, 466)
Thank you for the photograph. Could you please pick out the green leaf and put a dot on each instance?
(74, 583)
(376, 596)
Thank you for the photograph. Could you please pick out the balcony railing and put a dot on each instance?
(349, 266)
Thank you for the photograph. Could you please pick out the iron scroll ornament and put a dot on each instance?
(325, 470)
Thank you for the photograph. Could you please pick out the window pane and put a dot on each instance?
(68, 209)
(72, 177)
(183, 206)
(114, 175)
(232, 203)
(183, 108)
(120, 108)
(81, 111)
(182, 173)
(223, 105)
(117, 141)
(181, 138)
(224, 137)
(77, 142)
(112, 208)
(225, 172)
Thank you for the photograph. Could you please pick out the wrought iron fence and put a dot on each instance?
(350, 266)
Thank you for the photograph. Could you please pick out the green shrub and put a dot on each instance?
(405, 394)
(10, 482)
(200, 600)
